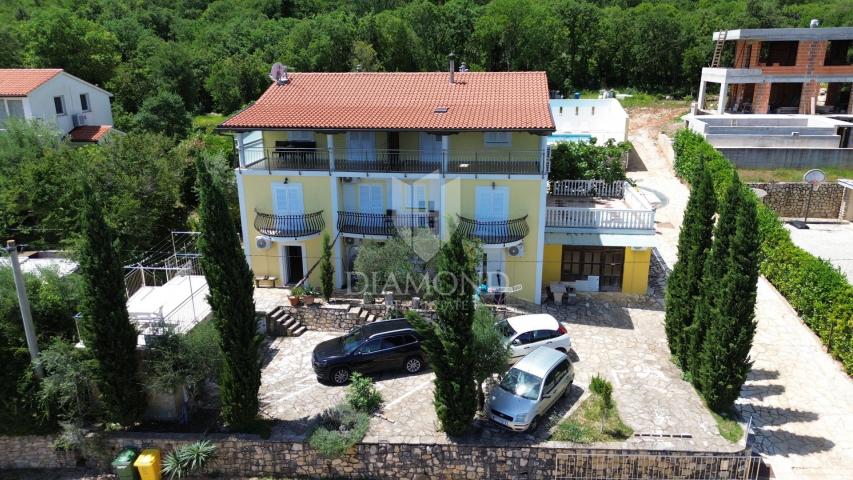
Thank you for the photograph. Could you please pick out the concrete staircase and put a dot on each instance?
(363, 316)
(282, 324)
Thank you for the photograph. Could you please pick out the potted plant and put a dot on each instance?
(309, 295)
(295, 295)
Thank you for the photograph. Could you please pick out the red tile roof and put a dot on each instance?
(89, 133)
(402, 101)
(19, 82)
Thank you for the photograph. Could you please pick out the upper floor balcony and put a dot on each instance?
(594, 206)
(294, 227)
(385, 225)
(495, 233)
(500, 162)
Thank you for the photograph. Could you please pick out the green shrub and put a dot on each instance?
(340, 428)
(362, 395)
(819, 293)
(587, 161)
(603, 389)
(188, 459)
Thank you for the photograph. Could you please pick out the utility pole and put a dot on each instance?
(26, 315)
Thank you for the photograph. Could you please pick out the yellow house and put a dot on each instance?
(366, 156)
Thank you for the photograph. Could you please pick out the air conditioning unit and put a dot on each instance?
(263, 242)
(78, 120)
(516, 250)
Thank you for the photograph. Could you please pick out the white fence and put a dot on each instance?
(588, 188)
(573, 217)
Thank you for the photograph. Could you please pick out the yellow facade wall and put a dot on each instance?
(317, 195)
(524, 199)
(635, 276)
(553, 264)
(475, 141)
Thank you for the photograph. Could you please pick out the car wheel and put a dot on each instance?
(414, 365)
(340, 376)
(533, 425)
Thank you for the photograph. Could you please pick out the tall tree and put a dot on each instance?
(327, 270)
(231, 302)
(716, 265)
(725, 354)
(694, 240)
(448, 341)
(106, 326)
(490, 353)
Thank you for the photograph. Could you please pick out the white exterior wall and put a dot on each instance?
(602, 118)
(40, 102)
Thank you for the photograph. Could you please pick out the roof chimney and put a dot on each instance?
(814, 23)
(452, 59)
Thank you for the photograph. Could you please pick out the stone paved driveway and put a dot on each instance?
(622, 342)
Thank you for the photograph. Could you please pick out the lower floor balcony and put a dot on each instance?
(385, 225)
(495, 233)
(296, 227)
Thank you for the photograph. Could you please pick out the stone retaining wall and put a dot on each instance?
(789, 199)
(333, 317)
(247, 456)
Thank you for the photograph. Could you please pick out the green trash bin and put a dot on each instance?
(123, 464)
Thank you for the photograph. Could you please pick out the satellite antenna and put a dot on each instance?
(814, 177)
(278, 73)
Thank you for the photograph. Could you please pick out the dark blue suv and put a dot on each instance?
(370, 348)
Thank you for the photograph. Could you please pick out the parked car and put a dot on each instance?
(526, 333)
(529, 389)
(374, 347)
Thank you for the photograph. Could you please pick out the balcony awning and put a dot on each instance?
(600, 239)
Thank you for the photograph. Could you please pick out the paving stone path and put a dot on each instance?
(799, 399)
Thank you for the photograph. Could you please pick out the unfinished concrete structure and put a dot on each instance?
(781, 70)
(778, 141)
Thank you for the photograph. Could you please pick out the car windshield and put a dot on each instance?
(351, 341)
(523, 384)
(505, 329)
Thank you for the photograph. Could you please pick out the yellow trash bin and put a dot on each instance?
(148, 464)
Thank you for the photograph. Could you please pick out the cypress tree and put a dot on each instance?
(716, 265)
(448, 342)
(106, 328)
(229, 280)
(694, 240)
(728, 340)
(327, 270)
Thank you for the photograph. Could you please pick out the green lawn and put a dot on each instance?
(584, 424)
(728, 426)
(790, 174)
(639, 99)
(207, 122)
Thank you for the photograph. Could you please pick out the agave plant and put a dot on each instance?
(187, 459)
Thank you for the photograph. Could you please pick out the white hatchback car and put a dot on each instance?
(526, 333)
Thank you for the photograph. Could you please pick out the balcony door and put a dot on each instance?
(370, 199)
(288, 204)
(361, 146)
(430, 147)
(491, 205)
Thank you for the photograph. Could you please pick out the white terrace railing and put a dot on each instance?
(640, 215)
(604, 218)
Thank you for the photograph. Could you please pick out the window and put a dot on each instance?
(300, 136)
(498, 139)
(839, 52)
(393, 341)
(84, 102)
(778, 53)
(11, 109)
(59, 105)
(524, 338)
(371, 346)
(539, 335)
(556, 376)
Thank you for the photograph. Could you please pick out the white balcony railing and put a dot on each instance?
(604, 219)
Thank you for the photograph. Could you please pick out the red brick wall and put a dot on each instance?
(761, 98)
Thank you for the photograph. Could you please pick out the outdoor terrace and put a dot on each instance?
(597, 206)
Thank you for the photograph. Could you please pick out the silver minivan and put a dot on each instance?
(529, 389)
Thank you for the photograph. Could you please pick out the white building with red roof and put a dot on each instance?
(76, 107)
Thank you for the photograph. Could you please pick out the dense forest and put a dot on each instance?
(213, 55)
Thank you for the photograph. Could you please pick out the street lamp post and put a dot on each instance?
(26, 315)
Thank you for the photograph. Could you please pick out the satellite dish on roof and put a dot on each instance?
(278, 73)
